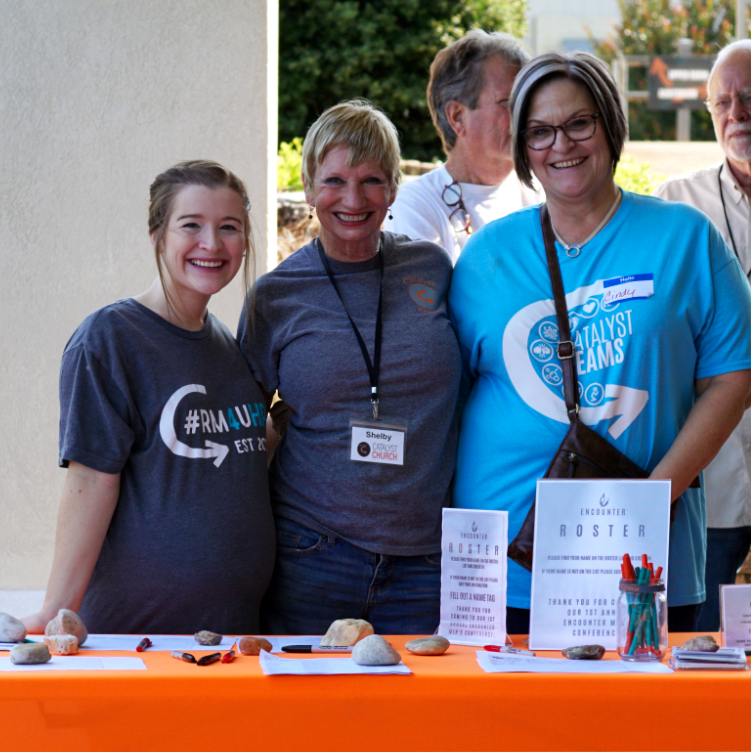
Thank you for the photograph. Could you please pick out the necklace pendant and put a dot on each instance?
(572, 251)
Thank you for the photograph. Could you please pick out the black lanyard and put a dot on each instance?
(727, 221)
(374, 366)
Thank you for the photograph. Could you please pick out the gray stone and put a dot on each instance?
(67, 622)
(373, 650)
(584, 653)
(11, 630)
(703, 643)
(29, 653)
(254, 645)
(344, 632)
(435, 645)
(62, 644)
(204, 637)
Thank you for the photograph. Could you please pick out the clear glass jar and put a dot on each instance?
(642, 620)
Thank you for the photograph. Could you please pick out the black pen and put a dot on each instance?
(317, 649)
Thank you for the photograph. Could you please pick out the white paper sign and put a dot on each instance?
(582, 530)
(272, 665)
(473, 576)
(511, 664)
(735, 604)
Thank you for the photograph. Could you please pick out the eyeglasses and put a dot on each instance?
(721, 103)
(581, 128)
(459, 218)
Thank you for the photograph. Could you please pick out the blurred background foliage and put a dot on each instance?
(636, 176)
(653, 27)
(332, 50)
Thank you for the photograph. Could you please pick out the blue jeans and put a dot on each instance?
(318, 579)
(727, 548)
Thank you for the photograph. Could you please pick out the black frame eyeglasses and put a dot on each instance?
(580, 128)
(459, 218)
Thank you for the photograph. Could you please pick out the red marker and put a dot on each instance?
(508, 649)
(145, 643)
(229, 656)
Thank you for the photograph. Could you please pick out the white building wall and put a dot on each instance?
(96, 98)
(554, 25)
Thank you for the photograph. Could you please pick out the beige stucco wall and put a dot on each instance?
(96, 97)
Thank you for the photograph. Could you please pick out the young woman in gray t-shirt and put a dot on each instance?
(165, 523)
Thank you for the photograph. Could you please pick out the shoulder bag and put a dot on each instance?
(583, 453)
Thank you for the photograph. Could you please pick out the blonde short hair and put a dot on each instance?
(360, 126)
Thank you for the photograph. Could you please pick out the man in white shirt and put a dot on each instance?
(722, 192)
(468, 95)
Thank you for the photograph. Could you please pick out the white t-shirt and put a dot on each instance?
(420, 212)
(727, 480)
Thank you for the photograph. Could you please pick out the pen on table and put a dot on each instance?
(317, 649)
(145, 643)
(508, 649)
(208, 659)
(187, 657)
(229, 656)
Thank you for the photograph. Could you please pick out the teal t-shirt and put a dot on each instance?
(637, 359)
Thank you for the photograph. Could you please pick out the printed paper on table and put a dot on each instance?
(735, 607)
(473, 576)
(582, 530)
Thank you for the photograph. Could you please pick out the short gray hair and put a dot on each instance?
(726, 52)
(458, 74)
(584, 69)
(360, 126)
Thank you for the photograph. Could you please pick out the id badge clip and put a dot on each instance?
(382, 440)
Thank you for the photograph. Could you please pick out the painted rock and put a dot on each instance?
(36, 652)
(11, 630)
(704, 643)
(435, 645)
(204, 637)
(584, 653)
(347, 632)
(63, 644)
(253, 645)
(67, 622)
(373, 650)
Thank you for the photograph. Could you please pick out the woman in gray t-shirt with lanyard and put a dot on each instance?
(352, 331)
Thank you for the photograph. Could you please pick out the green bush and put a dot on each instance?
(289, 165)
(332, 50)
(636, 176)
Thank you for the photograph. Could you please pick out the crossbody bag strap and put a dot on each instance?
(566, 348)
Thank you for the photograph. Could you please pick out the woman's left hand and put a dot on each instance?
(720, 405)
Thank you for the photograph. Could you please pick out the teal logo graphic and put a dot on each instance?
(424, 296)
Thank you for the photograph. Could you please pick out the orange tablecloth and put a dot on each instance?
(448, 704)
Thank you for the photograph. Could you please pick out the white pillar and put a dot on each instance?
(683, 116)
(98, 98)
(741, 28)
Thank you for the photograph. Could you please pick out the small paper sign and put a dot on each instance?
(735, 606)
(473, 576)
(582, 530)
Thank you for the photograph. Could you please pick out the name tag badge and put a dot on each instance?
(632, 287)
(383, 441)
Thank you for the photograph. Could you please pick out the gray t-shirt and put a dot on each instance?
(178, 414)
(303, 345)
